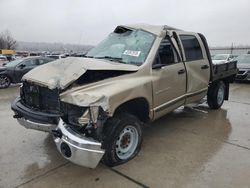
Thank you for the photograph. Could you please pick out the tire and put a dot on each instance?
(216, 95)
(4, 81)
(123, 138)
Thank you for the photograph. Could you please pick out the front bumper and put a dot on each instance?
(38, 117)
(74, 147)
(77, 148)
(37, 126)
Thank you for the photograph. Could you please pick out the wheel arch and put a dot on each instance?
(138, 107)
(9, 76)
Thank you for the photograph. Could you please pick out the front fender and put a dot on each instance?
(111, 94)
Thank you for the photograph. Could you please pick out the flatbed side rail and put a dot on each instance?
(221, 71)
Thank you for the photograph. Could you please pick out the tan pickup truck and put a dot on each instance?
(96, 106)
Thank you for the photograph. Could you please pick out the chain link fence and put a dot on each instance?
(234, 50)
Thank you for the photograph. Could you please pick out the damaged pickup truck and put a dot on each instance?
(96, 106)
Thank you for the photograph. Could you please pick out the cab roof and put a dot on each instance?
(155, 29)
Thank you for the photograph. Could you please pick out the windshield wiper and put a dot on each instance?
(119, 59)
(135, 63)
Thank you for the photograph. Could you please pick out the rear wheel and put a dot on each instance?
(4, 81)
(216, 95)
(123, 138)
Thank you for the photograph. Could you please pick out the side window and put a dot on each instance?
(166, 53)
(31, 62)
(43, 61)
(191, 47)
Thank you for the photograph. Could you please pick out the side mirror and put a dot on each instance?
(22, 66)
(157, 66)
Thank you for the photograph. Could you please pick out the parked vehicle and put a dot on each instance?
(56, 56)
(3, 60)
(243, 64)
(222, 58)
(95, 107)
(7, 53)
(13, 71)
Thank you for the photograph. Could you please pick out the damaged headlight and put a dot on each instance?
(86, 120)
(81, 116)
(72, 113)
(89, 116)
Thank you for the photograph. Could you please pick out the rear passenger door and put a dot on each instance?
(197, 65)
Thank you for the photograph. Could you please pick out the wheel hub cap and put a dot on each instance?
(4, 81)
(220, 96)
(127, 142)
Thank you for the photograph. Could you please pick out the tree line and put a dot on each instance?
(7, 41)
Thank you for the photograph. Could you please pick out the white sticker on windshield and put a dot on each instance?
(132, 53)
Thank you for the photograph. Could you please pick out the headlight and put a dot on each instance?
(90, 115)
(81, 116)
(72, 113)
(85, 118)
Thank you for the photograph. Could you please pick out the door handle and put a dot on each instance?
(204, 67)
(182, 71)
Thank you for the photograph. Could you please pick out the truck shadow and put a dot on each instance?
(198, 120)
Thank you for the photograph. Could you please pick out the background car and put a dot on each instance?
(222, 58)
(13, 71)
(243, 64)
(57, 56)
(3, 60)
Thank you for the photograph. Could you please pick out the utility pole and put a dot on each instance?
(232, 48)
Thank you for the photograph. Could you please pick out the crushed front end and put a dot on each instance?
(76, 130)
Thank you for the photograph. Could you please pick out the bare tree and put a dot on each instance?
(7, 41)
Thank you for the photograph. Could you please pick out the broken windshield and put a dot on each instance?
(129, 46)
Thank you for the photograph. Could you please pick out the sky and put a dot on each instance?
(223, 22)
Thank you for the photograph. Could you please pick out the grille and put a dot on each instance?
(40, 98)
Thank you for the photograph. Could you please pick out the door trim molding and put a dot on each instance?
(176, 100)
(197, 92)
(169, 103)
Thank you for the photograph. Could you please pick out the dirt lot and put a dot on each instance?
(191, 147)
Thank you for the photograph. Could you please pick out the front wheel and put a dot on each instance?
(123, 138)
(216, 95)
(4, 81)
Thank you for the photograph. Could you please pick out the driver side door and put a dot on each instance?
(169, 79)
(24, 67)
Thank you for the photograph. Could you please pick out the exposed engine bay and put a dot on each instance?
(84, 120)
(96, 75)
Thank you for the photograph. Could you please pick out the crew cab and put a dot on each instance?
(96, 106)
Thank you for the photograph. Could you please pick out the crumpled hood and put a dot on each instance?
(61, 73)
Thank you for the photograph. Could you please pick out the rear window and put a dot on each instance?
(191, 47)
